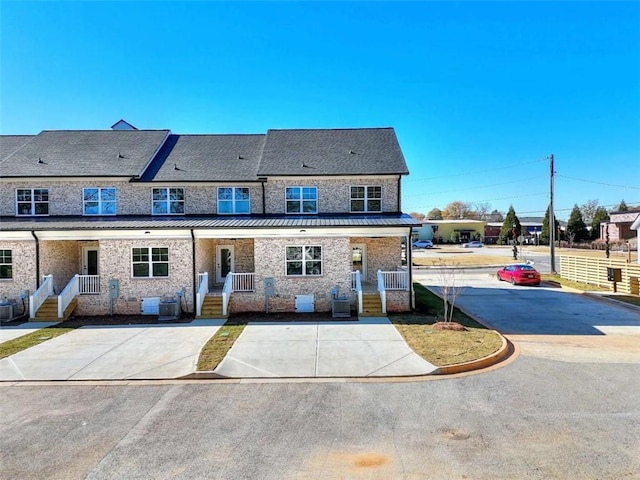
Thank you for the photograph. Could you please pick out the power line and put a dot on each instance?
(474, 188)
(498, 198)
(544, 159)
(598, 183)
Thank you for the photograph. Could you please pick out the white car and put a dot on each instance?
(422, 244)
(474, 244)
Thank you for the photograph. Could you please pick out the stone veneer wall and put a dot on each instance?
(65, 197)
(334, 195)
(115, 263)
(23, 257)
(60, 258)
(381, 254)
(270, 262)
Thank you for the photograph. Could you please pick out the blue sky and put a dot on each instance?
(479, 93)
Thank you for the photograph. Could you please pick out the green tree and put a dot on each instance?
(576, 226)
(599, 216)
(510, 226)
(622, 207)
(545, 234)
(434, 214)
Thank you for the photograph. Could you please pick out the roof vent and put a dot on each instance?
(351, 152)
(175, 167)
(240, 157)
(120, 155)
(40, 160)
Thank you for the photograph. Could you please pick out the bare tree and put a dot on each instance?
(449, 289)
(482, 210)
(588, 210)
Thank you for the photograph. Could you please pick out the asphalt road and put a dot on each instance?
(556, 411)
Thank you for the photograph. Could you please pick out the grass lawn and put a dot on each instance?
(217, 347)
(35, 338)
(632, 299)
(585, 287)
(461, 259)
(443, 347)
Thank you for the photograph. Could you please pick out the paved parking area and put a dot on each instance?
(368, 347)
(113, 352)
(550, 322)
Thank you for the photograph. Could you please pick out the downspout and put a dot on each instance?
(412, 294)
(264, 208)
(37, 259)
(193, 269)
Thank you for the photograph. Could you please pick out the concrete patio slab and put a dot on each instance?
(9, 332)
(367, 347)
(111, 352)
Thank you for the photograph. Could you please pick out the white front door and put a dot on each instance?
(359, 259)
(89, 261)
(224, 262)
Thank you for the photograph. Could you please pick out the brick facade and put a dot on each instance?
(23, 255)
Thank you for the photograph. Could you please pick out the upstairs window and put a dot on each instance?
(301, 199)
(167, 201)
(233, 200)
(150, 262)
(366, 199)
(99, 201)
(6, 265)
(32, 201)
(304, 260)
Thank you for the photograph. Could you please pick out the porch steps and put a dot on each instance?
(212, 307)
(371, 306)
(48, 312)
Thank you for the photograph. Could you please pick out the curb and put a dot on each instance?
(506, 350)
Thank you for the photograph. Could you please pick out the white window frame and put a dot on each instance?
(32, 202)
(150, 262)
(304, 261)
(4, 253)
(366, 198)
(167, 200)
(100, 201)
(300, 199)
(233, 201)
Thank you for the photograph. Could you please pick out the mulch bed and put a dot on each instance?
(453, 326)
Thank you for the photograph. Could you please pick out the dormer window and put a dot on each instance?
(32, 201)
(301, 199)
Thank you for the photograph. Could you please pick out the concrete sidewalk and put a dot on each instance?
(15, 331)
(368, 347)
(110, 352)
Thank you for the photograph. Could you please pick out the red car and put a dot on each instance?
(519, 274)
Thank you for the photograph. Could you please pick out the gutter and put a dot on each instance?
(33, 233)
(193, 269)
(264, 208)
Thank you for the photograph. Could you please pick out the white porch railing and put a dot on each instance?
(243, 282)
(382, 291)
(39, 296)
(88, 284)
(67, 295)
(203, 289)
(227, 289)
(398, 280)
(356, 278)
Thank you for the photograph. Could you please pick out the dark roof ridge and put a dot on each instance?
(326, 129)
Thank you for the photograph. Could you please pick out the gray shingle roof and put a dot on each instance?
(242, 222)
(196, 158)
(11, 143)
(80, 153)
(358, 151)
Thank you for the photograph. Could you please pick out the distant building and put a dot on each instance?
(620, 225)
(452, 231)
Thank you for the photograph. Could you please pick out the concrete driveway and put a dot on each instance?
(112, 352)
(368, 347)
(550, 322)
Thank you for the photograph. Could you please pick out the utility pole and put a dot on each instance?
(552, 220)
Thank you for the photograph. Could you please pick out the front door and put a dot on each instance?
(224, 262)
(358, 260)
(89, 261)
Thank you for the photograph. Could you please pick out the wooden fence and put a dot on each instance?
(594, 271)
